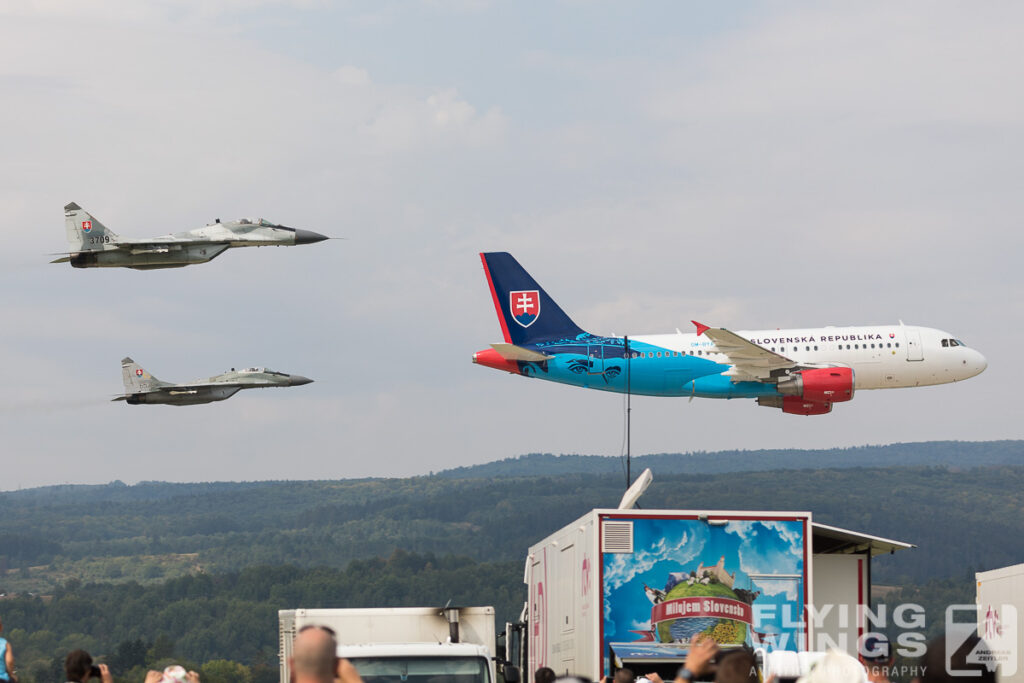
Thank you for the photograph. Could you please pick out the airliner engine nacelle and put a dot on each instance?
(822, 385)
(794, 405)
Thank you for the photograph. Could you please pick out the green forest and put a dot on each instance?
(230, 619)
(195, 573)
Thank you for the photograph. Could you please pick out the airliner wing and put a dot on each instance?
(750, 362)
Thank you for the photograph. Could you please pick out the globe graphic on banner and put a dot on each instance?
(683, 611)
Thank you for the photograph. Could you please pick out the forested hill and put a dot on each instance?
(156, 570)
(951, 454)
(961, 518)
(931, 453)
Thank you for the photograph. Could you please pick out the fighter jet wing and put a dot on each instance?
(750, 362)
(131, 246)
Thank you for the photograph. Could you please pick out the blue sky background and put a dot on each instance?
(752, 166)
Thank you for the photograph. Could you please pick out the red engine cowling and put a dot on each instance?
(821, 385)
(794, 405)
(799, 406)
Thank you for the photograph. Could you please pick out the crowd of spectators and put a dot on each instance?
(314, 660)
(705, 661)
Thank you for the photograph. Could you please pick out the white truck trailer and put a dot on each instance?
(403, 644)
(630, 588)
(1000, 601)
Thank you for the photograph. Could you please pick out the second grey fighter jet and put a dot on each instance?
(142, 387)
(93, 245)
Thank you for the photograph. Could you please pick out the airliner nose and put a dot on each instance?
(975, 363)
(980, 363)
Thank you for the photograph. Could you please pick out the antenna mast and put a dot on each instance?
(629, 410)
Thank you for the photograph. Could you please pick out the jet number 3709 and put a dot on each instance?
(99, 239)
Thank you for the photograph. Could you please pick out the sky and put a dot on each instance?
(750, 165)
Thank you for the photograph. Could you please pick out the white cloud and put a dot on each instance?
(770, 547)
(625, 567)
(772, 587)
(641, 625)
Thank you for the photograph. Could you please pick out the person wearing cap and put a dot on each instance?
(876, 657)
(835, 667)
(172, 674)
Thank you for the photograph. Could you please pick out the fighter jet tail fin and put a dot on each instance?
(136, 379)
(85, 233)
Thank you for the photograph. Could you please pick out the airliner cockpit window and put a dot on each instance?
(945, 343)
(958, 343)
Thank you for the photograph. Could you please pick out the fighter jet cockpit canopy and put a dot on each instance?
(261, 222)
(261, 371)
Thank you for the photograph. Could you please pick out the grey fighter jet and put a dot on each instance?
(93, 245)
(142, 387)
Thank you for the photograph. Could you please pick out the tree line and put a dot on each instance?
(958, 518)
(225, 625)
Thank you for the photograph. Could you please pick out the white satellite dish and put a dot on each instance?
(634, 492)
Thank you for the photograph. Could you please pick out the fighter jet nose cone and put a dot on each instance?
(308, 237)
(298, 380)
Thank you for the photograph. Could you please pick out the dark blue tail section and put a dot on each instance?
(526, 312)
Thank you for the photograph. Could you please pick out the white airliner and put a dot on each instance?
(803, 371)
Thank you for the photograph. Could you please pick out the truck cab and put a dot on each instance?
(403, 644)
(420, 662)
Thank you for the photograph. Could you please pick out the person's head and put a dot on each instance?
(78, 665)
(315, 654)
(174, 674)
(544, 675)
(938, 668)
(624, 676)
(835, 667)
(738, 666)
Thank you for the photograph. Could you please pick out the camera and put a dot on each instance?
(94, 672)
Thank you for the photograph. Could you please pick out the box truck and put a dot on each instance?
(1000, 601)
(403, 644)
(631, 588)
